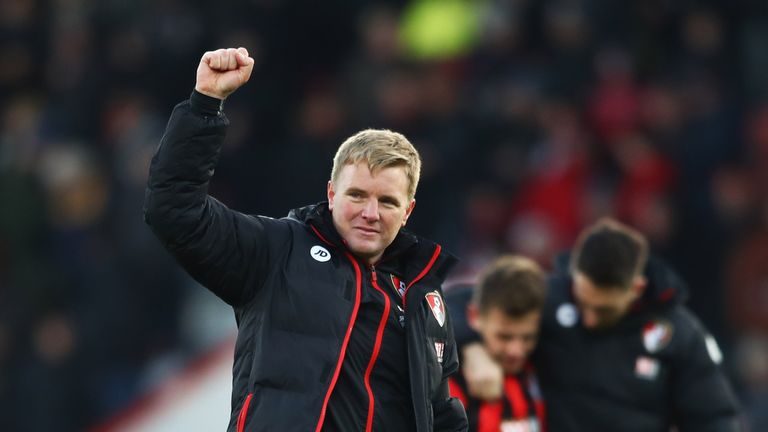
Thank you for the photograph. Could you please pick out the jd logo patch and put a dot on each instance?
(320, 253)
(436, 306)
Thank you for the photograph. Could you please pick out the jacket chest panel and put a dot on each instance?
(314, 293)
(614, 366)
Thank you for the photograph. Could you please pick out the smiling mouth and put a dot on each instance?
(366, 230)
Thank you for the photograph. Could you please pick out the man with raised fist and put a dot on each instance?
(341, 320)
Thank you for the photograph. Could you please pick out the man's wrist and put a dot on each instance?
(206, 105)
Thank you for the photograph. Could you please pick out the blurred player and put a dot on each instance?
(505, 310)
(619, 351)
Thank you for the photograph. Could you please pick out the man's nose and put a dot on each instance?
(371, 210)
(589, 318)
(515, 348)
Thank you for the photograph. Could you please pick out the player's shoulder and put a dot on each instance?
(683, 318)
(686, 328)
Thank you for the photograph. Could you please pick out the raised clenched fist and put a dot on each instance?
(223, 71)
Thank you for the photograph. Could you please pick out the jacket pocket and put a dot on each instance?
(244, 413)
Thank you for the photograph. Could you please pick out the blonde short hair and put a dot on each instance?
(379, 148)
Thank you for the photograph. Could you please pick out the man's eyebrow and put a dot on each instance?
(390, 198)
(356, 190)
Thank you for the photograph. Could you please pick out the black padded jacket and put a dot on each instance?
(294, 287)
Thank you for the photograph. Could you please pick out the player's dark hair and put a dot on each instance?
(516, 285)
(610, 254)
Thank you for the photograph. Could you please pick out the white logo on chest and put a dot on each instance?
(319, 253)
(567, 315)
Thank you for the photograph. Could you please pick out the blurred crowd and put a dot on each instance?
(533, 118)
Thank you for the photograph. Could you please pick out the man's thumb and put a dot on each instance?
(242, 57)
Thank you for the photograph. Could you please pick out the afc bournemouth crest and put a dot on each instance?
(437, 306)
(398, 285)
(656, 335)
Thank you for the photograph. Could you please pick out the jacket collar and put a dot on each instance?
(407, 255)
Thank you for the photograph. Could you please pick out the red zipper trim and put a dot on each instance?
(350, 325)
(423, 272)
(244, 413)
(376, 350)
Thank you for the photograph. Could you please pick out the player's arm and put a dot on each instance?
(483, 375)
(703, 400)
(220, 248)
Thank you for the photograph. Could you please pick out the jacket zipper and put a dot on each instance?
(376, 349)
(244, 413)
(350, 326)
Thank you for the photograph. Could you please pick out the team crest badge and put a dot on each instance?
(398, 285)
(437, 306)
(657, 335)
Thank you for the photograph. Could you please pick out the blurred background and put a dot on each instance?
(533, 118)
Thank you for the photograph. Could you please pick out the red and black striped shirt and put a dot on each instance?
(520, 409)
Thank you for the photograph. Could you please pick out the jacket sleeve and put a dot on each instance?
(226, 251)
(703, 400)
(449, 414)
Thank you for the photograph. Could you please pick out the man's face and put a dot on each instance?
(369, 209)
(603, 307)
(509, 340)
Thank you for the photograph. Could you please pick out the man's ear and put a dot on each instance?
(473, 317)
(408, 212)
(331, 194)
(639, 283)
